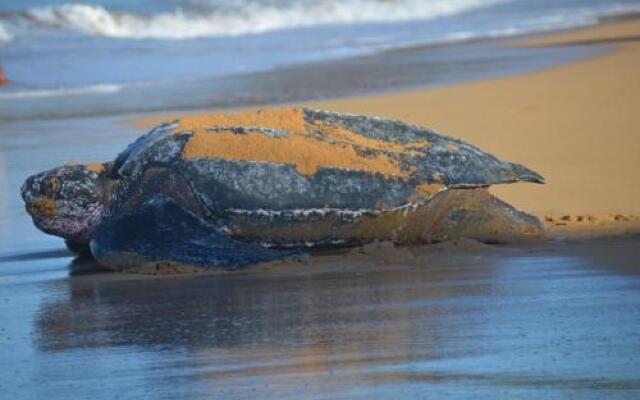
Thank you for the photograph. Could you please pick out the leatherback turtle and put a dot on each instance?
(228, 190)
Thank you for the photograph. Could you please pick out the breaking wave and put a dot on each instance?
(38, 93)
(253, 16)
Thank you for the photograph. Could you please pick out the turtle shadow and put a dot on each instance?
(36, 255)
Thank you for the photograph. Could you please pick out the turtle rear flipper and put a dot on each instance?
(471, 214)
(159, 233)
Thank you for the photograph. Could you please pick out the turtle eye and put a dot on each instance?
(54, 184)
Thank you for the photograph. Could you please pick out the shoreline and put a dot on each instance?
(376, 71)
(611, 27)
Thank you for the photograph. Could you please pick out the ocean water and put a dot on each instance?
(69, 59)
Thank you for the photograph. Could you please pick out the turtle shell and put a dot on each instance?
(301, 158)
(294, 169)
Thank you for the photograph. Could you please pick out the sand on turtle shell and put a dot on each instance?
(306, 145)
(91, 166)
(429, 189)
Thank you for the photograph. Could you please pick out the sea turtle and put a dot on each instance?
(228, 190)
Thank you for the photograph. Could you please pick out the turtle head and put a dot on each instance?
(67, 201)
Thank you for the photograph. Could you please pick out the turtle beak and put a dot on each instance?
(25, 190)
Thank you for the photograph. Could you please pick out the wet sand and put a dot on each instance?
(556, 321)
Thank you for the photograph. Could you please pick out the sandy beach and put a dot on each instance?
(576, 124)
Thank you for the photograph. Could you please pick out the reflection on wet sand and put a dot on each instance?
(541, 325)
(37, 255)
(236, 309)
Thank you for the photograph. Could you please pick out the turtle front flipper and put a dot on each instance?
(159, 233)
(81, 249)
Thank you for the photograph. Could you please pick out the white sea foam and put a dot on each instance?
(219, 18)
(36, 93)
(5, 36)
(252, 17)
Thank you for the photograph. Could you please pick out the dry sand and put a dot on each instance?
(578, 125)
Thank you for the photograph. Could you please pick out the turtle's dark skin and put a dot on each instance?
(232, 190)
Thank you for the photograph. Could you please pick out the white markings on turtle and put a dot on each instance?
(322, 212)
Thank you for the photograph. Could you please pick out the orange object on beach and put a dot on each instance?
(3, 78)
